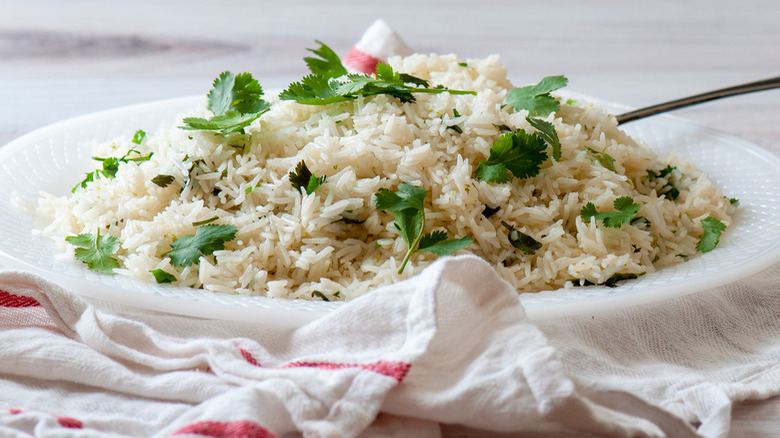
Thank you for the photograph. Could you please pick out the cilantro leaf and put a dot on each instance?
(407, 205)
(96, 251)
(712, 229)
(302, 177)
(315, 90)
(322, 88)
(602, 157)
(525, 243)
(537, 98)
(162, 277)
(235, 100)
(516, 152)
(438, 244)
(187, 250)
(626, 210)
(408, 196)
(227, 123)
(328, 64)
(548, 133)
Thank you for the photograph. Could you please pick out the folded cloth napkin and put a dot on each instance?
(451, 345)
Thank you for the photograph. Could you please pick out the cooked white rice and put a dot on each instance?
(290, 244)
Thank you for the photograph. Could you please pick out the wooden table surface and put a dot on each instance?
(63, 59)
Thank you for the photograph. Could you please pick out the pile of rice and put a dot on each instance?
(293, 245)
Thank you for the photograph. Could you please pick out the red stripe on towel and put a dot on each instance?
(394, 369)
(10, 300)
(226, 429)
(360, 61)
(70, 423)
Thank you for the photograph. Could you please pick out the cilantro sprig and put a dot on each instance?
(537, 98)
(187, 250)
(328, 82)
(235, 100)
(110, 165)
(520, 153)
(626, 210)
(96, 251)
(407, 205)
(712, 229)
(302, 177)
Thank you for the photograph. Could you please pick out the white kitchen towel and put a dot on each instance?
(451, 345)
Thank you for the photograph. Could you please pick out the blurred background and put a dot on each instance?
(62, 59)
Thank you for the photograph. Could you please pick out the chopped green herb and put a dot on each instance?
(525, 243)
(503, 128)
(626, 210)
(489, 211)
(96, 251)
(456, 128)
(712, 229)
(319, 295)
(640, 222)
(669, 189)
(610, 282)
(205, 221)
(463, 64)
(537, 98)
(602, 157)
(235, 100)
(520, 153)
(571, 102)
(187, 250)
(548, 133)
(162, 276)
(139, 136)
(302, 177)
(350, 217)
(110, 166)
(407, 205)
(734, 201)
(163, 180)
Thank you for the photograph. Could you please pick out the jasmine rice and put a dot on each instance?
(334, 243)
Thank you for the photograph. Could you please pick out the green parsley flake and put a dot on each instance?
(162, 277)
(525, 243)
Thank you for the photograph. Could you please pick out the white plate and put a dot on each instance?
(55, 157)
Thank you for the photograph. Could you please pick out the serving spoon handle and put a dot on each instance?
(750, 87)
